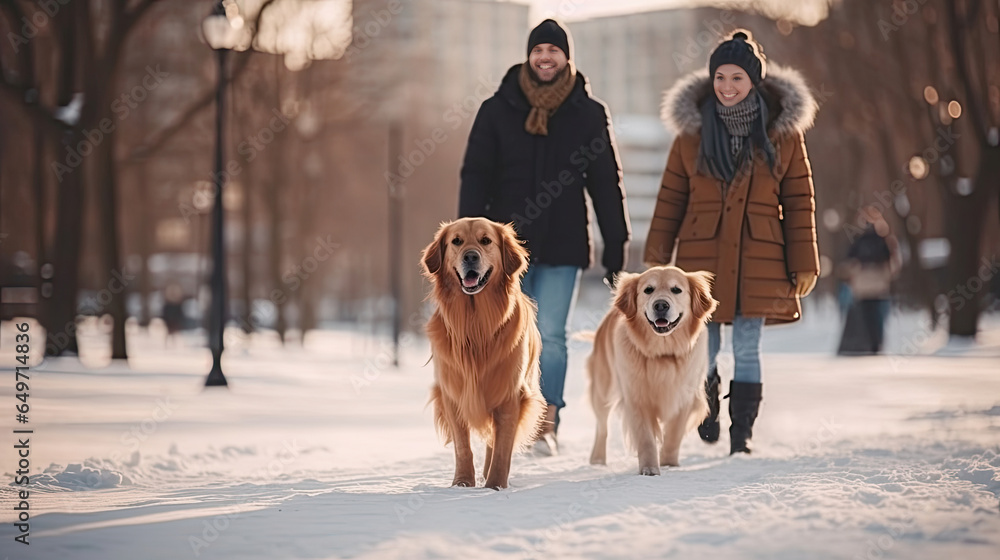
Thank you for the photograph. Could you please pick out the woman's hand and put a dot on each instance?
(804, 283)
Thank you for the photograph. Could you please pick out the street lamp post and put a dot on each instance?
(214, 28)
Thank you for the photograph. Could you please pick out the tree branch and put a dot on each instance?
(157, 140)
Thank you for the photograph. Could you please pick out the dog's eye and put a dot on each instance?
(648, 290)
(675, 290)
(485, 241)
(456, 241)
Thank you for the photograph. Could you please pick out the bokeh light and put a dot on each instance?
(954, 109)
(919, 168)
(831, 219)
(931, 95)
(964, 186)
(825, 266)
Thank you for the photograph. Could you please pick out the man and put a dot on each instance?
(535, 147)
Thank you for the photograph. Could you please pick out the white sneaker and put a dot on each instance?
(546, 445)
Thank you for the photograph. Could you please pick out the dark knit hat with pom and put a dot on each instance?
(740, 49)
(549, 31)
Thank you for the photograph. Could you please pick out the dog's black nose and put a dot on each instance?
(471, 258)
(661, 306)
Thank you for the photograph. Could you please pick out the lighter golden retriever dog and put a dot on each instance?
(485, 345)
(650, 359)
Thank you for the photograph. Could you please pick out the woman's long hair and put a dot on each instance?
(716, 156)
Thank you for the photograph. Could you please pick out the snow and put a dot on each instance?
(69, 114)
(328, 451)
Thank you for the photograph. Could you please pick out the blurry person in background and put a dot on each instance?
(737, 198)
(873, 261)
(535, 147)
(173, 312)
(843, 297)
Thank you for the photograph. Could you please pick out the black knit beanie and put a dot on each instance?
(740, 49)
(549, 31)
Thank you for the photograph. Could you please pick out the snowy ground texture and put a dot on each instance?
(327, 451)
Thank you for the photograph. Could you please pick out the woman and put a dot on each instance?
(737, 197)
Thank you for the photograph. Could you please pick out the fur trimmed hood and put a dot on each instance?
(792, 106)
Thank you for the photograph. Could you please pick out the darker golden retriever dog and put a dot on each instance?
(485, 344)
(650, 358)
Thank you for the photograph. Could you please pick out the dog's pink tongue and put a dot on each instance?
(471, 280)
(661, 323)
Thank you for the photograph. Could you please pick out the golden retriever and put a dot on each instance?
(650, 358)
(485, 344)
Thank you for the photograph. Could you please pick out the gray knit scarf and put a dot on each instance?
(739, 120)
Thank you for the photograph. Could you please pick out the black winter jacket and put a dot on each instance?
(537, 182)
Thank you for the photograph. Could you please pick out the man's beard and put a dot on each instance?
(555, 78)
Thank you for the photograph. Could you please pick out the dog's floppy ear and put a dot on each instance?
(515, 256)
(434, 253)
(626, 293)
(702, 303)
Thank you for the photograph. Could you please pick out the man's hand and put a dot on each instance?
(611, 278)
(804, 282)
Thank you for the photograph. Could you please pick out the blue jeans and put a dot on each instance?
(746, 347)
(553, 288)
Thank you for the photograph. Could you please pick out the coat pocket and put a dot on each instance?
(765, 228)
(700, 223)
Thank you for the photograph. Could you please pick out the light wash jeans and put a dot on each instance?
(554, 289)
(746, 347)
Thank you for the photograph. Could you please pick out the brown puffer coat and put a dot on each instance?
(765, 229)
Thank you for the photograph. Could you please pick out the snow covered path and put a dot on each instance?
(328, 452)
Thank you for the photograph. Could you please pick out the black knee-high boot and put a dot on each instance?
(744, 401)
(709, 428)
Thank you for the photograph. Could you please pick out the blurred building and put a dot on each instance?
(630, 60)
(462, 49)
(430, 69)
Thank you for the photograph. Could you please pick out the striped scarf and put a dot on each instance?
(739, 120)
